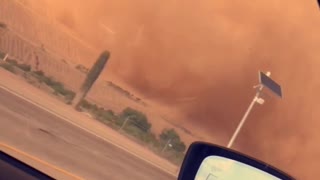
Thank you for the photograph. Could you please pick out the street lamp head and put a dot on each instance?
(268, 73)
(260, 101)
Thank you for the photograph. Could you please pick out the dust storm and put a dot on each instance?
(210, 52)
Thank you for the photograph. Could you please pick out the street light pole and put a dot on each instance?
(256, 99)
(5, 57)
(124, 123)
(166, 145)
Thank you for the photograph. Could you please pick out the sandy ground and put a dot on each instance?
(54, 140)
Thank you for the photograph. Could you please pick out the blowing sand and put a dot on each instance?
(209, 53)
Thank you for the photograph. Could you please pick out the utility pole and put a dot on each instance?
(125, 122)
(5, 57)
(166, 145)
(265, 81)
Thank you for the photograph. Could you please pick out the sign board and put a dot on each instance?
(267, 82)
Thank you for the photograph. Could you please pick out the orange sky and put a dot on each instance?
(210, 52)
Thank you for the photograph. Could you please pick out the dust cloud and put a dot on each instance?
(210, 52)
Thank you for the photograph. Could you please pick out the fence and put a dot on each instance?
(44, 31)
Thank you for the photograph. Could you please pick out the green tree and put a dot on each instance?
(92, 76)
(170, 135)
(85, 104)
(104, 115)
(137, 118)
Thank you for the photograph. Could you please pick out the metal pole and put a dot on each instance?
(5, 57)
(124, 123)
(244, 118)
(166, 145)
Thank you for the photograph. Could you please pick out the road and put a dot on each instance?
(56, 141)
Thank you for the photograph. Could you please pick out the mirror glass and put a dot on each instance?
(221, 168)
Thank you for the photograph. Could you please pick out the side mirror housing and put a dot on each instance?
(205, 161)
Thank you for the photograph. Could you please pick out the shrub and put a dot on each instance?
(85, 104)
(173, 136)
(137, 118)
(137, 125)
(119, 121)
(24, 67)
(70, 96)
(135, 132)
(50, 82)
(12, 61)
(44, 79)
(94, 108)
(106, 115)
(8, 67)
(39, 73)
(98, 111)
(151, 138)
(58, 87)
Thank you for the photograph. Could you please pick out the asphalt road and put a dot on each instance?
(54, 140)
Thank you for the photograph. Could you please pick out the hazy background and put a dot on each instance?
(201, 58)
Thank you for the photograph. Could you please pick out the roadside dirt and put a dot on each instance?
(18, 85)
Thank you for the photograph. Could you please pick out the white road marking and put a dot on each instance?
(84, 129)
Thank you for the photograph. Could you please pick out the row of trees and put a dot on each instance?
(136, 124)
(57, 87)
(167, 136)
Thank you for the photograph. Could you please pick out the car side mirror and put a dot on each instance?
(205, 161)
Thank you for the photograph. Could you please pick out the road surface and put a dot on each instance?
(54, 140)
